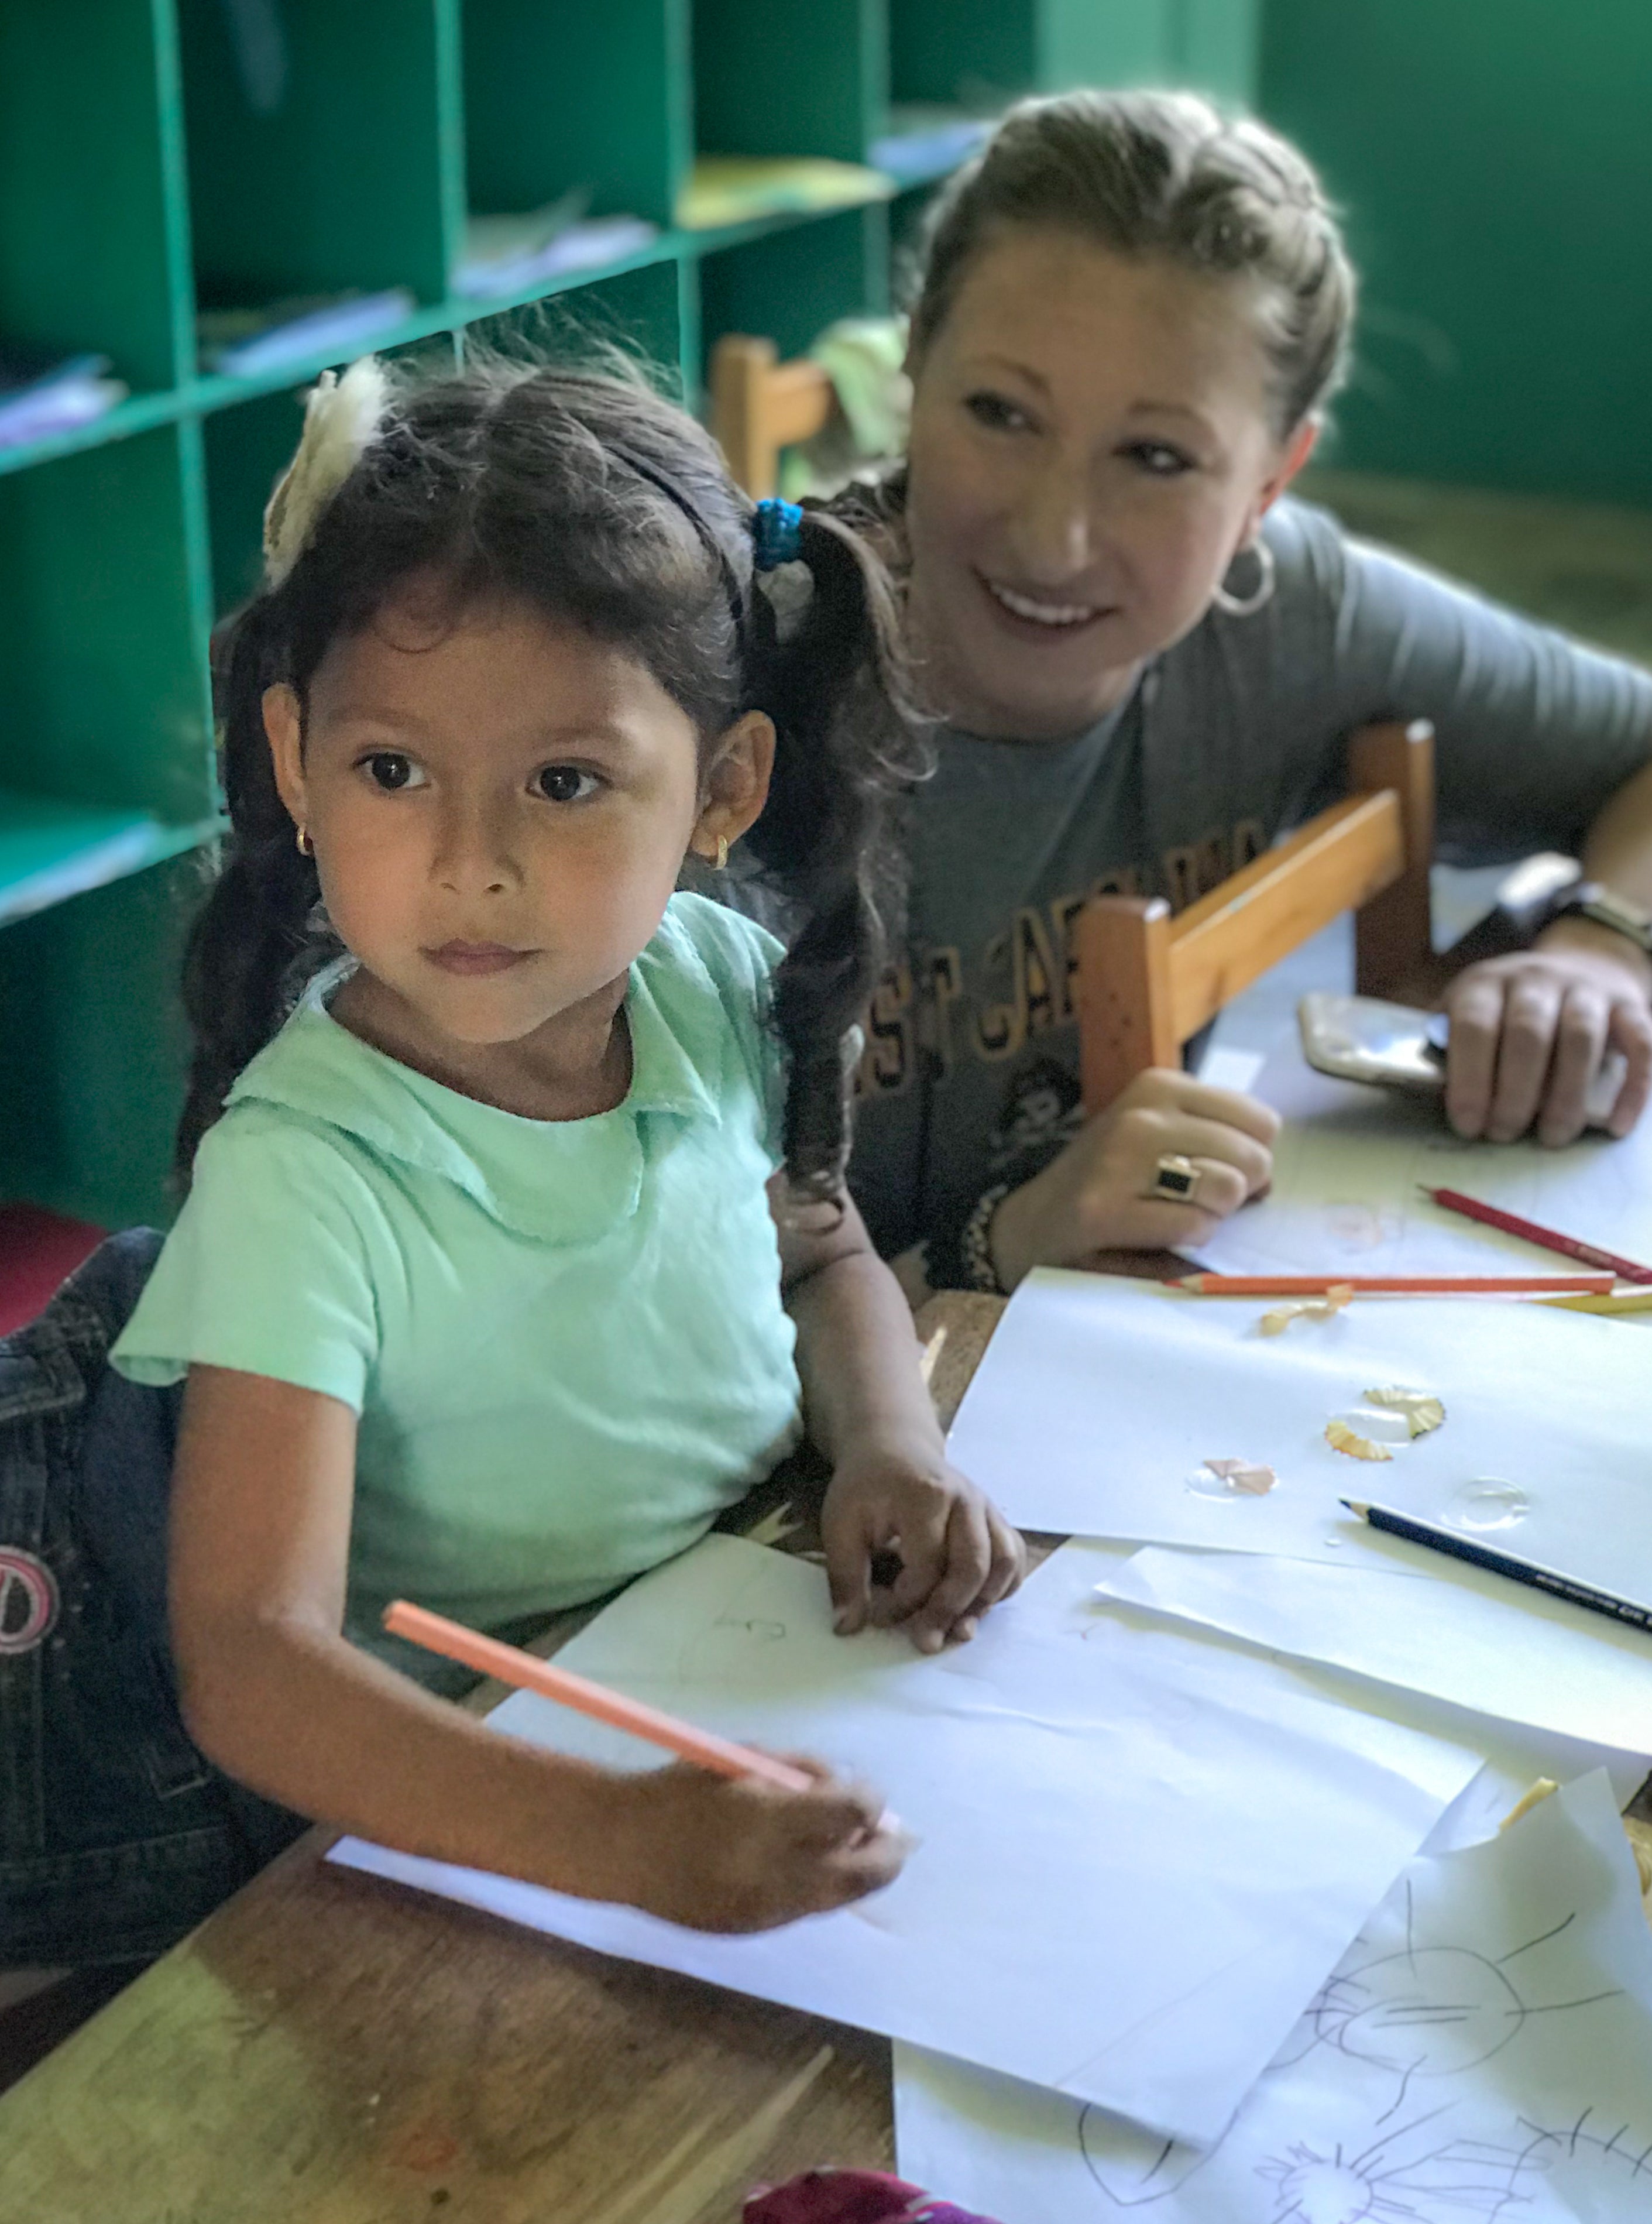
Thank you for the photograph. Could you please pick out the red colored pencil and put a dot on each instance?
(1316, 1285)
(1547, 1239)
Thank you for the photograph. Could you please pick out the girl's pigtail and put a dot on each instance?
(243, 942)
(848, 746)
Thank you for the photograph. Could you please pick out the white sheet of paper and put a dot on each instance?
(1071, 1599)
(1103, 1898)
(1460, 1635)
(1483, 2053)
(1348, 1172)
(1098, 1400)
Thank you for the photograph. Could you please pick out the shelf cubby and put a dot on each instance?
(642, 312)
(557, 97)
(789, 284)
(327, 156)
(93, 1074)
(773, 81)
(103, 579)
(94, 236)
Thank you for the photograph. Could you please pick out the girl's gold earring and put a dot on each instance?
(306, 847)
(721, 864)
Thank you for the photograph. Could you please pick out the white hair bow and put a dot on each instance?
(342, 417)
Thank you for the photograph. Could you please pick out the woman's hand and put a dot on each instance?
(958, 1554)
(724, 1853)
(1528, 1035)
(1098, 1195)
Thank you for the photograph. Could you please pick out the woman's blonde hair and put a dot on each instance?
(1159, 173)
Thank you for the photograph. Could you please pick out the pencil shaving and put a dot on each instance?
(1424, 1412)
(1243, 1475)
(1276, 1322)
(1341, 1438)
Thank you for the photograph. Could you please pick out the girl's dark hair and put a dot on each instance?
(1161, 173)
(586, 496)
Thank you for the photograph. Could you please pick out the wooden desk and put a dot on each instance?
(329, 2049)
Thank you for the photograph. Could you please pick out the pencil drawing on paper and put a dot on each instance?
(1400, 2019)
(1443, 2181)
(1427, 2012)
(1127, 2166)
(1621, 2147)
(1440, 2182)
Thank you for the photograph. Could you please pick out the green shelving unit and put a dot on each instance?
(158, 157)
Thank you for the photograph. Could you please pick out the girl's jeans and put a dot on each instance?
(117, 1837)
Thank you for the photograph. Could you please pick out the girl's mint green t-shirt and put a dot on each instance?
(564, 1340)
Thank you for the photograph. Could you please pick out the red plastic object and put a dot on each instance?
(38, 1250)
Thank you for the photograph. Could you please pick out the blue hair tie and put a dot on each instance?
(777, 533)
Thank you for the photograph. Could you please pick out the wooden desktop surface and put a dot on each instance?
(330, 2050)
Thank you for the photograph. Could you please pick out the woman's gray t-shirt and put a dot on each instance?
(1231, 737)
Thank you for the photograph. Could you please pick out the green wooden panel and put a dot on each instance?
(333, 165)
(972, 50)
(691, 339)
(103, 688)
(247, 450)
(967, 51)
(791, 284)
(1496, 167)
(562, 96)
(1217, 45)
(1105, 42)
(94, 249)
(92, 1078)
(809, 79)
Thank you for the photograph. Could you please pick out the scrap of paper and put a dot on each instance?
(1071, 1915)
(1483, 2052)
(1406, 1619)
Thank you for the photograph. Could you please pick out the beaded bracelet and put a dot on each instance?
(975, 1243)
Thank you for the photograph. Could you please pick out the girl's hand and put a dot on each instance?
(724, 1853)
(1097, 1196)
(958, 1554)
(1528, 1034)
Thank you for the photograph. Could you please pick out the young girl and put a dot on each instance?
(1132, 312)
(477, 1288)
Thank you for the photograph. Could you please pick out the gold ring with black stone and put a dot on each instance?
(1174, 1176)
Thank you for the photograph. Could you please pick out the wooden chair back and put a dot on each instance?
(1146, 982)
(759, 405)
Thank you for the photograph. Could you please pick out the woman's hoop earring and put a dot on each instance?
(306, 847)
(1245, 606)
(721, 864)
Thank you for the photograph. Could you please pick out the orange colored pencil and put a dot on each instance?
(512, 1665)
(1314, 1286)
